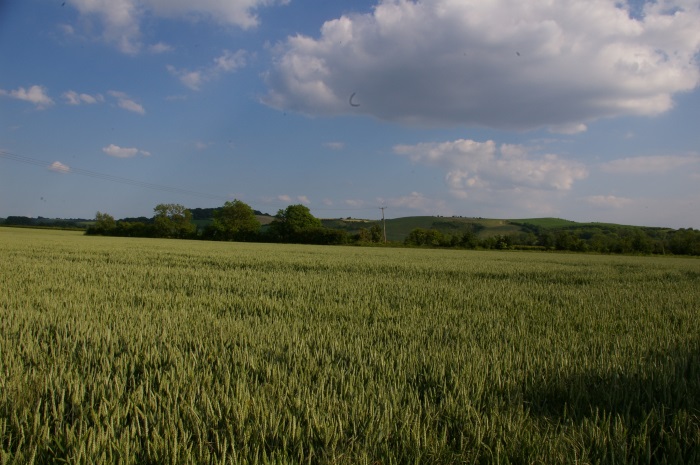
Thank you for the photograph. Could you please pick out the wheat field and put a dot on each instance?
(150, 351)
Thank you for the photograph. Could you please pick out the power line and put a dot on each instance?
(108, 177)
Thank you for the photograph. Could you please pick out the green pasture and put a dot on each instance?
(150, 351)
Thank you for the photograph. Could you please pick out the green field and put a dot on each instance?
(169, 351)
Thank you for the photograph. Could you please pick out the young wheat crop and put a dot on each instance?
(133, 351)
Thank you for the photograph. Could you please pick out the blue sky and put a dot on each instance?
(587, 110)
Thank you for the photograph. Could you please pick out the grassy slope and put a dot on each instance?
(398, 228)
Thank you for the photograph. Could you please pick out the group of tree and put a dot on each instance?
(234, 221)
(598, 239)
(169, 220)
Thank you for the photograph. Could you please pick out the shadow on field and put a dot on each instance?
(652, 413)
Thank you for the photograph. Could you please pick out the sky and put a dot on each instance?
(587, 110)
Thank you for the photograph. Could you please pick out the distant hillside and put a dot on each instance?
(397, 229)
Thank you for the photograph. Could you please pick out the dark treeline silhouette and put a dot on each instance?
(72, 223)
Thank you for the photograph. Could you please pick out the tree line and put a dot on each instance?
(610, 239)
(234, 221)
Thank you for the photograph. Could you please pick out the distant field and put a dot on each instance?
(120, 350)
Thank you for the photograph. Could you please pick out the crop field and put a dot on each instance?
(149, 351)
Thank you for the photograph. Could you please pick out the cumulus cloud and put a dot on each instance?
(119, 21)
(227, 62)
(503, 63)
(73, 98)
(125, 102)
(608, 201)
(38, 95)
(284, 198)
(649, 165)
(124, 152)
(59, 167)
(473, 165)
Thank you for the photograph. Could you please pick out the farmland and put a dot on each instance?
(117, 350)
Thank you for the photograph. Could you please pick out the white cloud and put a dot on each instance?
(124, 152)
(227, 62)
(160, 47)
(119, 21)
(59, 167)
(498, 63)
(608, 201)
(35, 94)
(125, 102)
(289, 199)
(483, 165)
(191, 79)
(649, 165)
(73, 98)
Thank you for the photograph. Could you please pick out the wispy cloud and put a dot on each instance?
(289, 199)
(227, 62)
(127, 103)
(58, 167)
(649, 165)
(38, 95)
(124, 152)
(160, 47)
(608, 201)
(73, 98)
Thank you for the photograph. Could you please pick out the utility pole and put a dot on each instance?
(383, 222)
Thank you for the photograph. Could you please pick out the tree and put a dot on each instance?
(173, 220)
(104, 224)
(376, 233)
(430, 237)
(236, 221)
(292, 222)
